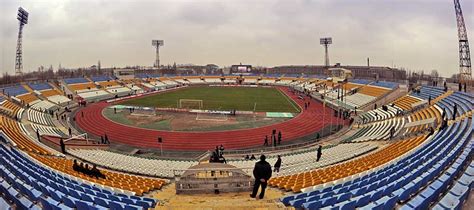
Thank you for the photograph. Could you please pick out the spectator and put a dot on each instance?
(247, 157)
(276, 167)
(75, 167)
(222, 159)
(455, 111)
(221, 149)
(63, 146)
(266, 141)
(279, 137)
(252, 157)
(262, 173)
(319, 153)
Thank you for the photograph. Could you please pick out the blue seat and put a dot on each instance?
(68, 202)
(349, 205)
(363, 200)
(101, 202)
(115, 206)
(312, 205)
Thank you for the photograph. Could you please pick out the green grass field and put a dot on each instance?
(223, 98)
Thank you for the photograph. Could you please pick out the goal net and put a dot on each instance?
(190, 104)
(212, 116)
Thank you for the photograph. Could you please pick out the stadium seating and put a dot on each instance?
(14, 132)
(47, 130)
(40, 86)
(349, 168)
(361, 81)
(403, 180)
(28, 98)
(428, 91)
(195, 80)
(44, 105)
(95, 95)
(298, 162)
(83, 87)
(133, 164)
(430, 112)
(390, 85)
(14, 90)
(39, 117)
(30, 186)
(59, 99)
(71, 81)
(134, 184)
(379, 114)
(119, 91)
(48, 93)
(213, 80)
(16, 109)
(100, 78)
(109, 84)
(283, 82)
(377, 131)
(373, 91)
(405, 102)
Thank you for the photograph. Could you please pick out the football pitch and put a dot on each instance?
(222, 98)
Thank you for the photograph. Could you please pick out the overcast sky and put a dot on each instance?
(415, 34)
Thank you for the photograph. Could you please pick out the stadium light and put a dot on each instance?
(22, 16)
(157, 44)
(326, 42)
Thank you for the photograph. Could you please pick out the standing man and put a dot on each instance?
(38, 135)
(276, 167)
(274, 140)
(262, 173)
(320, 152)
(63, 146)
(106, 139)
(279, 137)
(266, 141)
(70, 131)
(455, 111)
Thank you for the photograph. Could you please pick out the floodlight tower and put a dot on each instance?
(157, 44)
(23, 19)
(326, 42)
(465, 75)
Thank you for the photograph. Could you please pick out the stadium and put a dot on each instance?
(165, 138)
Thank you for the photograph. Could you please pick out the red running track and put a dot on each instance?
(308, 122)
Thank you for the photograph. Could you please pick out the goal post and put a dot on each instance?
(190, 104)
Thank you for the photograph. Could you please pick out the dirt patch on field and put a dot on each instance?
(177, 121)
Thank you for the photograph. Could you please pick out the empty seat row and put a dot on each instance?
(133, 164)
(39, 117)
(28, 184)
(349, 168)
(401, 180)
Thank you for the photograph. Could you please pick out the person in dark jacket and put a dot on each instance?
(276, 167)
(63, 146)
(262, 173)
(455, 111)
(266, 141)
(279, 137)
(320, 148)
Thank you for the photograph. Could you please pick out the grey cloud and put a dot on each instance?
(417, 34)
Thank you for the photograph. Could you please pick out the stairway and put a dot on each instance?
(439, 98)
